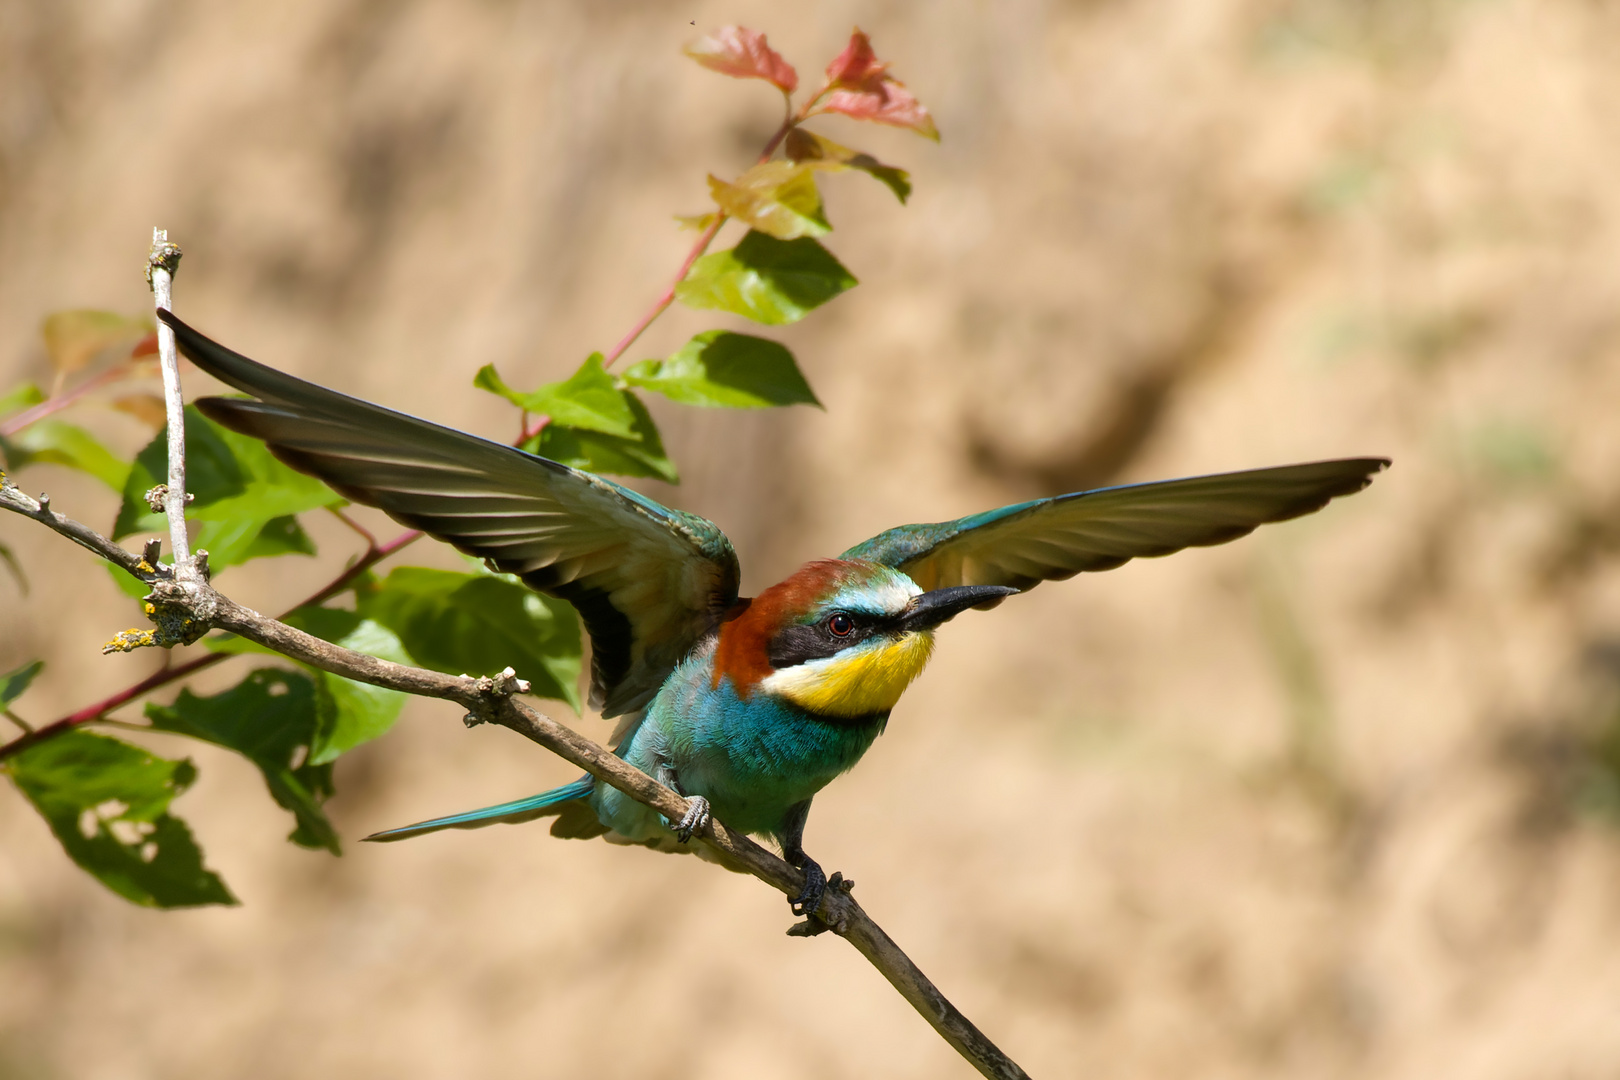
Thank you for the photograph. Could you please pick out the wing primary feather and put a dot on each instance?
(566, 532)
(1090, 531)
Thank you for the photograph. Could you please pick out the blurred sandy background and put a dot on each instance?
(1337, 800)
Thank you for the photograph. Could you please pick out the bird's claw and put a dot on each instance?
(815, 886)
(696, 817)
(813, 923)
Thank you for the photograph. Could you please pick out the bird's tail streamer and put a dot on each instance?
(535, 806)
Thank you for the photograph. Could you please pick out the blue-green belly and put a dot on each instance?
(753, 760)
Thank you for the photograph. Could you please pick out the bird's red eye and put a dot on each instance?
(841, 625)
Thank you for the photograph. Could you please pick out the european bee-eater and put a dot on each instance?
(748, 707)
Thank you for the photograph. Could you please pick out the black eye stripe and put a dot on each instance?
(815, 641)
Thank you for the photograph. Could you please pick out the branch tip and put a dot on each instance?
(164, 257)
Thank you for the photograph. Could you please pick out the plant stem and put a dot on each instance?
(58, 402)
(160, 267)
(667, 297)
(365, 533)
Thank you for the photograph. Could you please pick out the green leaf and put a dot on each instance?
(720, 369)
(243, 496)
(59, 443)
(587, 399)
(477, 624)
(350, 713)
(765, 279)
(13, 684)
(820, 152)
(279, 536)
(642, 455)
(22, 396)
(108, 802)
(347, 713)
(271, 718)
(775, 197)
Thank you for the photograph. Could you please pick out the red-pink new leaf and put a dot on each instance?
(857, 66)
(863, 89)
(743, 54)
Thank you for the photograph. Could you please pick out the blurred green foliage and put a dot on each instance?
(107, 801)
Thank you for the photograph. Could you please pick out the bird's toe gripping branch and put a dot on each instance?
(814, 923)
(695, 819)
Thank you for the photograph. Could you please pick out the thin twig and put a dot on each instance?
(161, 265)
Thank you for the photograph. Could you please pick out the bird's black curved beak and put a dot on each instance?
(932, 608)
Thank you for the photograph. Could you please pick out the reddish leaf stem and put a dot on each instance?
(58, 402)
(365, 533)
(667, 297)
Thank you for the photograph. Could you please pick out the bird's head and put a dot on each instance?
(841, 637)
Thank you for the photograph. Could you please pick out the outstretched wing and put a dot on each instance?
(648, 581)
(1056, 538)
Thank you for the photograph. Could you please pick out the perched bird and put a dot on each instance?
(748, 707)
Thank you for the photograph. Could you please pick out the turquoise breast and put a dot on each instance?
(753, 759)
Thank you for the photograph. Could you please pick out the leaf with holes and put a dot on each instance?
(720, 369)
(108, 804)
(765, 279)
(478, 624)
(271, 718)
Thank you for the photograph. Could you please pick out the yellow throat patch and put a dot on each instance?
(868, 680)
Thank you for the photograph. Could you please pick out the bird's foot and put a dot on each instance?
(815, 886)
(696, 818)
(813, 924)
